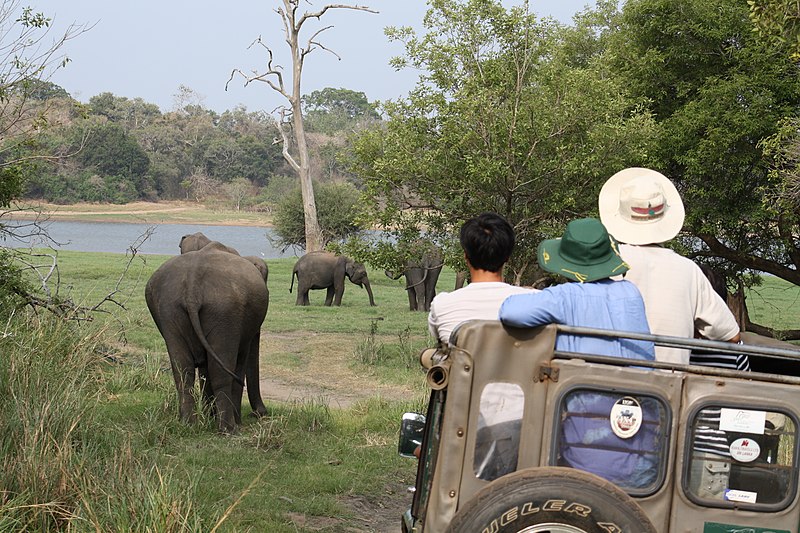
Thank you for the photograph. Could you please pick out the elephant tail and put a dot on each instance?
(294, 273)
(194, 317)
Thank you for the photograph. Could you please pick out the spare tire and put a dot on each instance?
(554, 500)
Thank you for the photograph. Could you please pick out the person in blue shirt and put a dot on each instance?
(586, 256)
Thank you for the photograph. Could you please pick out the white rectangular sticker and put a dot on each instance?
(742, 421)
(740, 496)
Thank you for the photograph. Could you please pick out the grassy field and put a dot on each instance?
(775, 303)
(325, 459)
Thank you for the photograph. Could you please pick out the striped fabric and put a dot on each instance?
(707, 435)
(733, 361)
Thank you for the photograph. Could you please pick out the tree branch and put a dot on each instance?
(785, 335)
(749, 261)
(272, 70)
(322, 11)
(286, 142)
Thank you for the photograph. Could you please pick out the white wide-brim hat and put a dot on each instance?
(641, 206)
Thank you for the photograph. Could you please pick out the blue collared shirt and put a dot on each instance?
(604, 304)
(587, 442)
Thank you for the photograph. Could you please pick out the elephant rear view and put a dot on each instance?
(324, 270)
(209, 307)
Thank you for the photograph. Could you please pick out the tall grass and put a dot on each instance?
(61, 467)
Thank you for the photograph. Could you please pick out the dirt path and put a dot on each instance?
(288, 375)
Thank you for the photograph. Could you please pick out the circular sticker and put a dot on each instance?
(626, 417)
(745, 450)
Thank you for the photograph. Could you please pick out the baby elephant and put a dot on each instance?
(324, 270)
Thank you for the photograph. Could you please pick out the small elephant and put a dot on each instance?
(209, 306)
(324, 270)
(421, 274)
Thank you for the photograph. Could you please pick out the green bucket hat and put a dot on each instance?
(586, 252)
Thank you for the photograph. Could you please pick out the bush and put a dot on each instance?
(337, 210)
(13, 287)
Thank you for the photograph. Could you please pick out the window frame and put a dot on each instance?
(666, 437)
(688, 448)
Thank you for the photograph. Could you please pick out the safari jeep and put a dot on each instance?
(521, 438)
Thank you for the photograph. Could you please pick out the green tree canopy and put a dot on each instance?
(717, 92)
(513, 114)
(333, 110)
(337, 208)
(779, 21)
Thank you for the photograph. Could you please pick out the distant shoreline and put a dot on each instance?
(165, 212)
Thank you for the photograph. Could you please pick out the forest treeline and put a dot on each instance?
(118, 150)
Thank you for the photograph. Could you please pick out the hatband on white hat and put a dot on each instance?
(641, 206)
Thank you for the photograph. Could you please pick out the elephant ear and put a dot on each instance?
(342, 268)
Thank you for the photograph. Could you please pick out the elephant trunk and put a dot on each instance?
(369, 292)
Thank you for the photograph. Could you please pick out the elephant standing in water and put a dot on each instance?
(422, 274)
(209, 306)
(324, 270)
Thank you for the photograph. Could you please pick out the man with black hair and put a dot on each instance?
(487, 240)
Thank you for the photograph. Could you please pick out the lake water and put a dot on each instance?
(118, 237)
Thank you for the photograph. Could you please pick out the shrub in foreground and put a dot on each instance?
(61, 468)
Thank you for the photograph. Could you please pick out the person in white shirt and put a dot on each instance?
(643, 209)
(487, 240)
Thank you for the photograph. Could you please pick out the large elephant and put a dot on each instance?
(324, 270)
(209, 306)
(422, 274)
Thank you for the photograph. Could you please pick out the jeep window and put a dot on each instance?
(619, 436)
(499, 423)
(741, 457)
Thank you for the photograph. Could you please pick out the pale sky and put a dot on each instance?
(147, 48)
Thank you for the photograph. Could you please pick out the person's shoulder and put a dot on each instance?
(517, 289)
(439, 298)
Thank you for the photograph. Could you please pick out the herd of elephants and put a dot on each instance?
(209, 304)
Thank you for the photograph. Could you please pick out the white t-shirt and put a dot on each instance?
(476, 301)
(678, 298)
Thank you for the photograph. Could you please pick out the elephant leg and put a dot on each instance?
(236, 401)
(415, 284)
(329, 297)
(419, 293)
(207, 392)
(412, 299)
(253, 378)
(302, 296)
(225, 389)
(184, 374)
(412, 294)
(430, 286)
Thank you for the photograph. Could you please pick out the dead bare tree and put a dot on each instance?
(290, 124)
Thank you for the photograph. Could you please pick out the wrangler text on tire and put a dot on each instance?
(551, 500)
